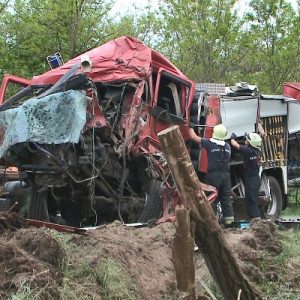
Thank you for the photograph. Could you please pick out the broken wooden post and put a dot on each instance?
(208, 234)
(183, 254)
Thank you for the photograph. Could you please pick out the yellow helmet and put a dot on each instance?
(219, 132)
(254, 140)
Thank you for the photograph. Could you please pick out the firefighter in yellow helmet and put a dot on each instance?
(218, 172)
(251, 157)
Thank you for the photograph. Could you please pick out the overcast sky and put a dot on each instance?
(122, 6)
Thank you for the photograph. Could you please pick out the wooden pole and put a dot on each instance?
(208, 234)
(183, 254)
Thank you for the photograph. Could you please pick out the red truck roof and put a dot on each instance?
(292, 90)
(120, 59)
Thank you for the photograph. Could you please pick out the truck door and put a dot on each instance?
(172, 96)
(239, 114)
(13, 88)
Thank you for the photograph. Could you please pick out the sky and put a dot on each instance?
(122, 6)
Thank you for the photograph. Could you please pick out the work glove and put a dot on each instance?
(233, 136)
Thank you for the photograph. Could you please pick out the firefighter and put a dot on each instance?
(218, 172)
(251, 157)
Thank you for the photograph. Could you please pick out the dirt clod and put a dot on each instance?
(11, 222)
(30, 257)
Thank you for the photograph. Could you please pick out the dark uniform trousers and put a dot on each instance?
(252, 186)
(221, 180)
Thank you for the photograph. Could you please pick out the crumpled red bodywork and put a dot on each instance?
(119, 140)
(124, 58)
(292, 90)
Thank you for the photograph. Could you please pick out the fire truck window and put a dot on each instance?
(169, 97)
(146, 93)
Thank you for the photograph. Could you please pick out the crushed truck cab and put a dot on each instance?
(84, 135)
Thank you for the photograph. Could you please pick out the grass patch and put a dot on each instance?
(211, 289)
(293, 207)
(77, 280)
(108, 277)
(114, 282)
(26, 293)
(283, 286)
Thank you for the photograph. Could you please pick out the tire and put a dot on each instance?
(153, 206)
(194, 119)
(194, 112)
(194, 108)
(37, 205)
(275, 207)
(4, 204)
(18, 195)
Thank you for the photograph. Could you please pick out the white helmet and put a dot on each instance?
(254, 140)
(219, 132)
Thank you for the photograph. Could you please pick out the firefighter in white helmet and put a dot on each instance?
(251, 156)
(218, 171)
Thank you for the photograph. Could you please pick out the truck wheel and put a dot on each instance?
(18, 195)
(37, 205)
(4, 204)
(194, 110)
(153, 206)
(275, 207)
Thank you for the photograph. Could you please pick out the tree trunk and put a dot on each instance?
(208, 234)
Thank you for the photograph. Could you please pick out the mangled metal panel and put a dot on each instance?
(293, 117)
(292, 90)
(272, 105)
(55, 119)
(239, 115)
(121, 59)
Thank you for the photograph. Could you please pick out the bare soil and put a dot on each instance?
(36, 257)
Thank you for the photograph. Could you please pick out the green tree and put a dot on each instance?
(271, 44)
(34, 29)
(3, 7)
(142, 25)
(201, 37)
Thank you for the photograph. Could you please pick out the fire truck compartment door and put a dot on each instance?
(272, 107)
(293, 117)
(239, 115)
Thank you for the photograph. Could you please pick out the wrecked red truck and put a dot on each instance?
(84, 137)
(85, 141)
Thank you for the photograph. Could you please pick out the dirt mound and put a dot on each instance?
(30, 257)
(119, 262)
(256, 245)
(145, 254)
